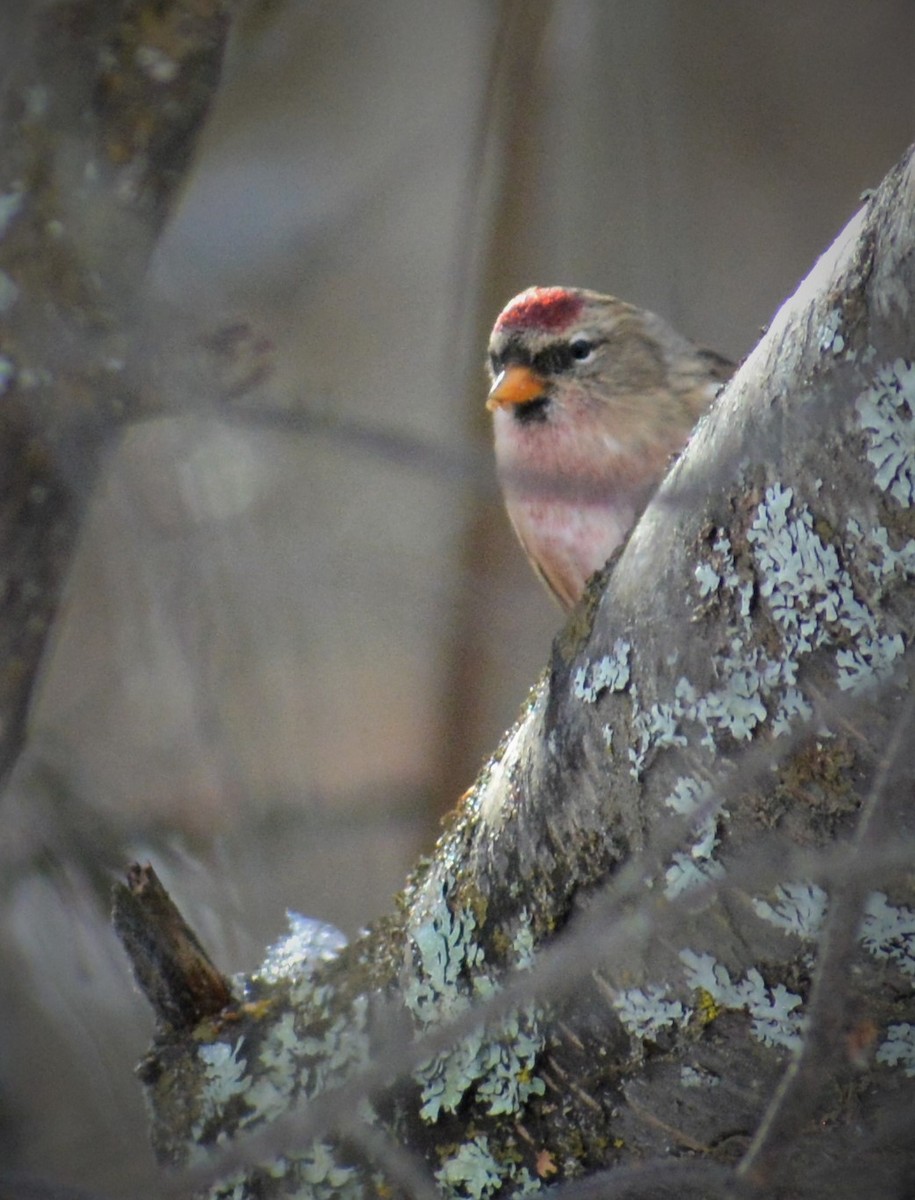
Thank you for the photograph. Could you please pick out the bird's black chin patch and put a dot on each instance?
(532, 412)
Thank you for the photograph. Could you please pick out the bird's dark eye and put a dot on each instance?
(495, 362)
(581, 348)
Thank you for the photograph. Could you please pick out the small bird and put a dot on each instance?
(590, 398)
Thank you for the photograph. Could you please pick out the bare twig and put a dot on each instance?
(171, 967)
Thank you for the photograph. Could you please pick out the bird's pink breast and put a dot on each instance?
(569, 542)
(571, 499)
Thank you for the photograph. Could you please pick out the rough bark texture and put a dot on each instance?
(696, 837)
(99, 120)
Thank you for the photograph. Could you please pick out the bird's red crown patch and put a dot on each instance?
(541, 308)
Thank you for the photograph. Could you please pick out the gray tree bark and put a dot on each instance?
(101, 108)
(666, 945)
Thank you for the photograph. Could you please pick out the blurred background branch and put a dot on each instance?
(99, 120)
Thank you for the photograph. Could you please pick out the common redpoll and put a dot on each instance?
(591, 397)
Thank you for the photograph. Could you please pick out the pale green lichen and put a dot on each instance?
(269, 1094)
(831, 340)
(737, 707)
(313, 1174)
(886, 411)
(646, 1012)
(898, 1050)
(607, 674)
(225, 1077)
(720, 574)
(523, 943)
(654, 729)
(750, 686)
(287, 1066)
(859, 670)
(800, 576)
(471, 1172)
(812, 602)
(697, 866)
(811, 597)
(707, 578)
(445, 949)
(793, 707)
(506, 1066)
(338, 1049)
(775, 1021)
(882, 562)
(798, 908)
(524, 1184)
(691, 796)
(296, 1054)
(697, 1077)
(494, 1064)
(320, 1177)
(888, 932)
(689, 870)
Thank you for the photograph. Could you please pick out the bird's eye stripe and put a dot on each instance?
(560, 356)
(553, 360)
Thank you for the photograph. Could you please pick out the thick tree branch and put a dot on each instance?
(610, 957)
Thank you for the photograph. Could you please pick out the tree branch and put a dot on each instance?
(607, 961)
(99, 119)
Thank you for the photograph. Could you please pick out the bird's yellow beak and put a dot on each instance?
(514, 385)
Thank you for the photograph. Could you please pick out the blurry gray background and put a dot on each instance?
(285, 653)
